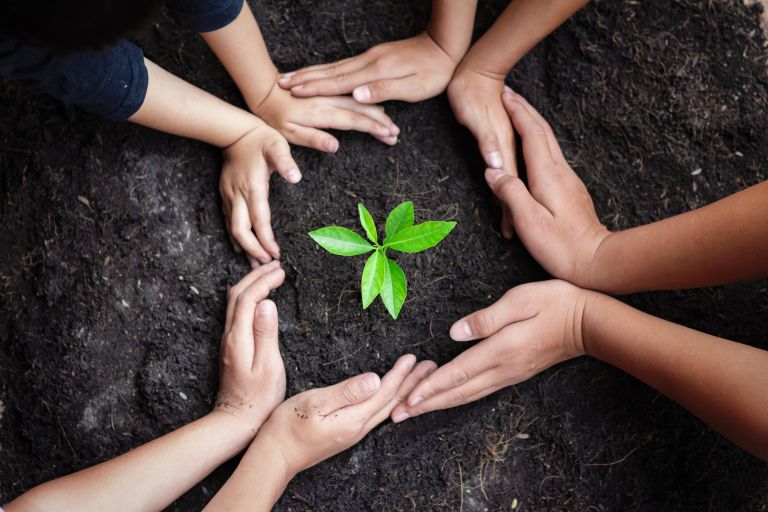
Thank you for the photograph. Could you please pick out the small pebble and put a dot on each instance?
(696, 172)
(182, 395)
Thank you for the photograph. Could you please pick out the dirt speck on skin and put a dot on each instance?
(640, 94)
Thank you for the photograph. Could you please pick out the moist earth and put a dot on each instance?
(115, 262)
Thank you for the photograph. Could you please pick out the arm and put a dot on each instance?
(241, 48)
(311, 427)
(413, 69)
(554, 216)
(252, 383)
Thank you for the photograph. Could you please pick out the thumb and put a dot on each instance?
(351, 391)
(513, 194)
(265, 327)
(279, 158)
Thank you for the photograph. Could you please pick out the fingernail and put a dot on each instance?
(332, 145)
(294, 176)
(494, 159)
(508, 91)
(401, 417)
(461, 331)
(297, 87)
(266, 308)
(362, 94)
(493, 175)
(286, 76)
(415, 400)
(371, 384)
(390, 140)
(394, 130)
(253, 262)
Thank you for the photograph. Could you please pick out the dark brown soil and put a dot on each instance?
(111, 306)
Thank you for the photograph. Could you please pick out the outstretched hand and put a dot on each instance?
(412, 69)
(529, 329)
(554, 216)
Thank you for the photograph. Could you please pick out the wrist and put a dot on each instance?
(258, 97)
(469, 67)
(235, 428)
(596, 307)
(267, 452)
(453, 50)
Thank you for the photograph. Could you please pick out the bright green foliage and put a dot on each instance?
(381, 275)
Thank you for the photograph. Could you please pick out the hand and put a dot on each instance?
(531, 328)
(251, 372)
(317, 424)
(412, 70)
(299, 119)
(476, 101)
(244, 187)
(554, 217)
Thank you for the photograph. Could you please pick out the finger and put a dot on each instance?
(389, 386)
(399, 88)
(321, 71)
(536, 149)
(463, 368)
(265, 333)
(487, 141)
(241, 286)
(478, 387)
(279, 158)
(343, 119)
(240, 227)
(514, 306)
(261, 219)
(341, 82)
(510, 96)
(245, 305)
(313, 138)
(419, 373)
(375, 112)
(349, 392)
(522, 208)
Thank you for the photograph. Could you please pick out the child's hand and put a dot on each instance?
(244, 187)
(251, 372)
(476, 101)
(554, 217)
(301, 120)
(531, 328)
(413, 69)
(317, 424)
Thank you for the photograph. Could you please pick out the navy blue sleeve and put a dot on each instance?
(204, 15)
(112, 83)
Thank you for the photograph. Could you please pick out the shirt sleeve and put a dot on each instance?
(204, 15)
(112, 83)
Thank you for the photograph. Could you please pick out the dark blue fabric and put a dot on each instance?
(112, 83)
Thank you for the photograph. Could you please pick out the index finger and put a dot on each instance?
(390, 383)
(241, 286)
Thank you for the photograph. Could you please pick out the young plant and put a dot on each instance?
(381, 275)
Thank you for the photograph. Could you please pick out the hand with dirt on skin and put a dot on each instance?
(411, 70)
(313, 426)
(554, 215)
(475, 98)
(251, 372)
(244, 186)
(302, 120)
(531, 328)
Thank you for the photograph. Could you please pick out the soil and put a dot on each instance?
(115, 262)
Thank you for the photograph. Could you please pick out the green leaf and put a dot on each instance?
(419, 237)
(340, 241)
(373, 278)
(367, 222)
(394, 288)
(399, 218)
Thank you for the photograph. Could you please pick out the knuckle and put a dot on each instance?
(349, 393)
(484, 322)
(459, 376)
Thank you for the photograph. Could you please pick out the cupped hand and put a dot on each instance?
(412, 70)
(475, 97)
(244, 187)
(554, 216)
(251, 372)
(302, 120)
(531, 328)
(317, 424)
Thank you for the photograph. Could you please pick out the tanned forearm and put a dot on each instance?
(451, 25)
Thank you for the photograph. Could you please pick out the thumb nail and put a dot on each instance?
(371, 383)
(494, 159)
(461, 331)
(266, 308)
(362, 93)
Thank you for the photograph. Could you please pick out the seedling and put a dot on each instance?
(381, 275)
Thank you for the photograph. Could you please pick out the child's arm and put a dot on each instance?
(537, 325)
(413, 69)
(311, 427)
(240, 47)
(252, 383)
(476, 87)
(724, 242)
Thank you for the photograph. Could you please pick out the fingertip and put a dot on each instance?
(371, 383)
(252, 261)
(362, 94)
(494, 160)
(461, 331)
(400, 416)
(266, 308)
(332, 145)
(293, 176)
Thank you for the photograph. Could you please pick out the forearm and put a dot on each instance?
(451, 25)
(241, 49)
(257, 483)
(723, 242)
(147, 478)
(174, 106)
(519, 28)
(722, 382)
